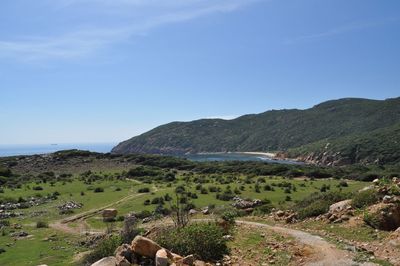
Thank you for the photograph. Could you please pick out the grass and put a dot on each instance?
(60, 252)
(37, 249)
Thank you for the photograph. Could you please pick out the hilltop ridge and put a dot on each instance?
(280, 130)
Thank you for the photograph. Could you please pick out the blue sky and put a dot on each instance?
(106, 70)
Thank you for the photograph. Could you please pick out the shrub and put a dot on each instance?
(98, 190)
(263, 209)
(104, 248)
(343, 184)
(372, 220)
(229, 216)
(318, 203)
(204, 240)
(144, 190)
(41, 224)
(157, 200)
(37, 188)
(203, 190)
(365, 198)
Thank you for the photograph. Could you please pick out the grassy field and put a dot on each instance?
(52, 247)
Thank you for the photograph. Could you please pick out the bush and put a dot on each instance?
(104, 248)
(41, 224)
(365, 198)
(98, 190)
(372, 220)
(144, 190)
(263, 209)
(204, 240)
(318, 203)
(37, 188)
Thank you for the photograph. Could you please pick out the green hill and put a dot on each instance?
(276, 130)
(381, 146)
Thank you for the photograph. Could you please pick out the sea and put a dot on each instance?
(236, 156)
(32, 149)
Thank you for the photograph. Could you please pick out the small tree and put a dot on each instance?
(129, 230)
(180, 208)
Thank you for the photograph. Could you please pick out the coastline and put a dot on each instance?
(267, 154)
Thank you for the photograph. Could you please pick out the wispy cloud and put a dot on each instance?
(90, 39)
(340, 30)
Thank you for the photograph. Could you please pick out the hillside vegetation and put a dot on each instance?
(280, 130)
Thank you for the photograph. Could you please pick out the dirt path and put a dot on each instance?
(327, 253)
(82, 226)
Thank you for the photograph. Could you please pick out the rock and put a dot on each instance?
(108, 261)
(227, 237)
(375, 181)
(174, 257)
(387, 199)
(384, 216)
(340, 206)
(162, 258)
(124, 255)
(205, 211)
(188, 260)
(291, 218)
(147, 220)
(366, 188)
(192, 212)
(109, 214)
(19, 234)
(280, 213)
(199, 263)
(345, 217)
(145, 247)
(240, 203)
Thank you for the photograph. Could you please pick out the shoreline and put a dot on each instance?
(266, 154)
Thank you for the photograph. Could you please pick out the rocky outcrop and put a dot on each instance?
(240, 203)
(383, 216)
(145, 247)
(162, 257)
(144, 251)
(108, 261)
(109, 214)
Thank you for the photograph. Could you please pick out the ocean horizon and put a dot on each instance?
(33, 149)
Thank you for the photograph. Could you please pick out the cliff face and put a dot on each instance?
(299, 133)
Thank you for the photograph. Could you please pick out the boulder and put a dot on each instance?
(145, 247)
(109, 213)
(340, 206)
(383, 216)
(280, 213)
(124, 255)
(108, 261)
(162, 258)
(199, 263)
(188, 260)
(387, 199)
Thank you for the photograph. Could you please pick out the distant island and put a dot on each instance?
(336, 132)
